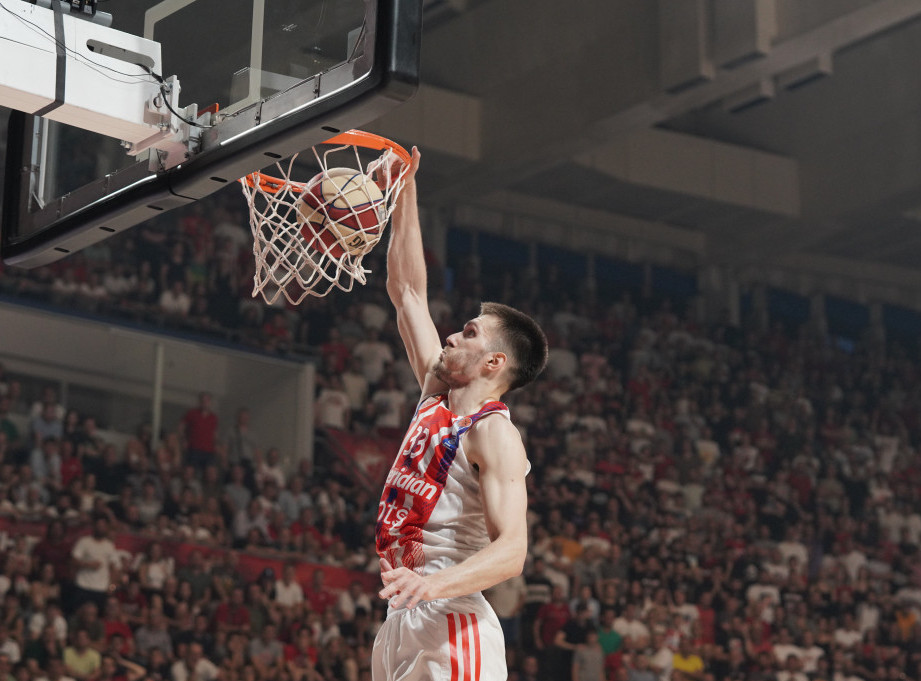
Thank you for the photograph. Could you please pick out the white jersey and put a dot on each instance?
(430, 515)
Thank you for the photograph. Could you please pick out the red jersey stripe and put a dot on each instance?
(476, 647)
(452, 638)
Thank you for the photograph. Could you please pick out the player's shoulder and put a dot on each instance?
(495, 438)
(495, 422)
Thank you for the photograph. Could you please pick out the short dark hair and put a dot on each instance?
(522, 340)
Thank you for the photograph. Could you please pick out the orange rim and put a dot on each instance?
(359, 138)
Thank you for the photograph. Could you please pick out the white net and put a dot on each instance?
(310, 237)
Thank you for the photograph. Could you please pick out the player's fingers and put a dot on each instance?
(385, 565)
(390, 589)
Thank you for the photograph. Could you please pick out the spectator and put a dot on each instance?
(40, 650)
(688, 662)
(154, 568)
(116, 624)
(639, 669)
(270, 468)
(242, 441)
(579, 634)
(351, 601)
(233, 616)
(333, 408)
(150, 504)
(374, 355)
(267, 653)
(507, 599)
(318, 595)
(335, 352)
(237, 494)
(57, 670)
(81, 661)
(199, 427)
(96, 564)
(195, 572)
(288, 593)
(355, 385)
(248, 520)
(174, 302)
(301, 656)
(389, 404)
(153, 634)
(194, 666)
(47, 424)
(551, 618)
(633, 630)
(294, 498)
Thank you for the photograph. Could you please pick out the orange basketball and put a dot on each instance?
(342, 211)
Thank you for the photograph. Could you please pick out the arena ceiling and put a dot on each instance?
(769, 135)
(776, 140)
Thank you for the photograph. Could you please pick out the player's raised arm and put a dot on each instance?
(407, 282)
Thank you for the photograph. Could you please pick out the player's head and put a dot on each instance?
(521, 339)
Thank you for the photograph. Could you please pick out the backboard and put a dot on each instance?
(278, 75)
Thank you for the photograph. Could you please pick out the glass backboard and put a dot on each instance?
(277, 75)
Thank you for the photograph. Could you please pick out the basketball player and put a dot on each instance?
(451, 520)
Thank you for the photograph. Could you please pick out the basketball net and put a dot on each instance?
(296, 257)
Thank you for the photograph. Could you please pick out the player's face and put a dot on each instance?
(466, 351)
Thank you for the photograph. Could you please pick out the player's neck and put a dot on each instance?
(470, 398)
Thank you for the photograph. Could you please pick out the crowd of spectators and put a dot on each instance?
(706, 501)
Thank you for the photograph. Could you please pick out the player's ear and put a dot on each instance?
(496, 362)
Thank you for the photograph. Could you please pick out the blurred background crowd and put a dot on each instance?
(706, 501)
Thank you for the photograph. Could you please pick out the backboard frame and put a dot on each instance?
(248, 139)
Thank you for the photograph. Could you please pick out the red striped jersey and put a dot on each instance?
(430, 514)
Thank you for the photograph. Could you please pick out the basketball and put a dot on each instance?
(342, 209)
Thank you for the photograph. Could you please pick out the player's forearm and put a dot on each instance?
(405, 257)
(501, 560)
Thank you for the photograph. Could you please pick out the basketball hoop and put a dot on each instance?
(311, 237)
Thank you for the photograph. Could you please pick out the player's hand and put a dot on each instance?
(390, 169)
(414, 164)
(404, 585)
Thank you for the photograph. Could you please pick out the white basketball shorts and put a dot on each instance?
(456, 639)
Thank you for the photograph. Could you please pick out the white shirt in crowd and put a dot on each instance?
(287, 595)
(103, 552)
(204, 670)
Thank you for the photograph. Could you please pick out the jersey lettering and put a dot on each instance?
(416, 481)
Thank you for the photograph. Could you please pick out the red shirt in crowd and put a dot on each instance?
(200, 429)
(71, 468)
(113, 627)
(232, 615)
(552, 616)
(320, 601)
(292, 653)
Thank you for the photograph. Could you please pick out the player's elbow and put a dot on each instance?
(401, 292)
(517, 555)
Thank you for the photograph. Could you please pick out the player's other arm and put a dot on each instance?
(494, 445)
(407, 285)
